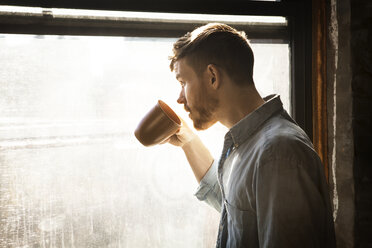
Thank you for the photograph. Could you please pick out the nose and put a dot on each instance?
(181, 98)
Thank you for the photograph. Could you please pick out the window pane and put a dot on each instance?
(271, 70)
(72, 173)
(148, 16)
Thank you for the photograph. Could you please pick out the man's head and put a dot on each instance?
(201, 59)
(217, 44)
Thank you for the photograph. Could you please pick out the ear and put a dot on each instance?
(214, 76)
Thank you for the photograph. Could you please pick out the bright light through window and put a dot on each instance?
(172, 17)
(72, 173)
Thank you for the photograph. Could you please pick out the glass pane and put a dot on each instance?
(149, 16)
(71, 172)
(271, 70)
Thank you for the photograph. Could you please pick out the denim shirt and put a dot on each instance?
(269, 184)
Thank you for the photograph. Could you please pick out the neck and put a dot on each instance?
(237, 102)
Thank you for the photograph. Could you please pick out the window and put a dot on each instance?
(71, 172)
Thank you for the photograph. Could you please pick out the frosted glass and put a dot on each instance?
(71, 172)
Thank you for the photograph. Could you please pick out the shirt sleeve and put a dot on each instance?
(209, 189)
(293, 208)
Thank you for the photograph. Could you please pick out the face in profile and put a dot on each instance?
(195, 95)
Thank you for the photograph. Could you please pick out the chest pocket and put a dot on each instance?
(241, 226)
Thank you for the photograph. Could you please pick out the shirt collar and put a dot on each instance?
(242, 130)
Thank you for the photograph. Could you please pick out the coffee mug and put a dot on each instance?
(160, 123)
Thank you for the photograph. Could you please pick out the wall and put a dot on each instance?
(361, 64)
(349, 95)
(339, 109)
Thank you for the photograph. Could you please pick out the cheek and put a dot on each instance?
(188, 93)
(194, 95)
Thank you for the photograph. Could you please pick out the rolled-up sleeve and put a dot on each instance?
(209, 189)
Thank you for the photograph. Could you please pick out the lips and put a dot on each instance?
(187, 108)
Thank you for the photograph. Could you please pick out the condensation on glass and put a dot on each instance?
(72, 173)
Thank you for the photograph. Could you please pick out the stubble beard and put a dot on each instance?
(203, 117)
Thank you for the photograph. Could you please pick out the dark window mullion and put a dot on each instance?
(300, 52)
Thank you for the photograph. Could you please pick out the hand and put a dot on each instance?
(184, 136)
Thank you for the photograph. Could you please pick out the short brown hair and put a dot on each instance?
(218, 44)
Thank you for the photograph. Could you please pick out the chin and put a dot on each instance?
(202, 121)
(200, 125)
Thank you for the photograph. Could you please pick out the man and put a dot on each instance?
(269, 183)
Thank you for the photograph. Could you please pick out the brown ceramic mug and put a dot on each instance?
(160, 123)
